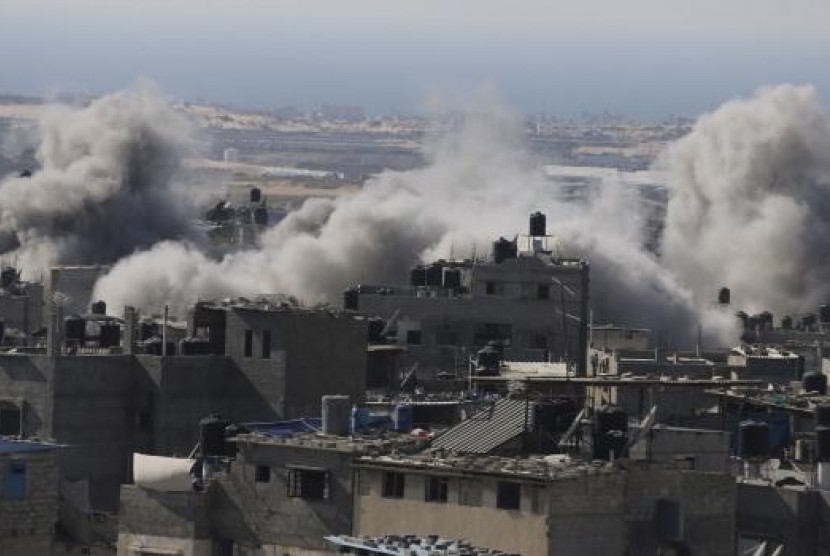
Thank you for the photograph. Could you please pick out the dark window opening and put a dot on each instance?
(10, 420)
(249, 343)
(266, 344)
(509, 496)
(309, 484)
(436, 489)
(14, 481)
(393, 485)
(413, 337)
(543, 291)
(490, 288)
(262, 474)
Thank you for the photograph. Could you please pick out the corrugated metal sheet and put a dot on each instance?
(487, 430)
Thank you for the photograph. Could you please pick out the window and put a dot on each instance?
(509, 496)
(266, 344)
(249, 343)
(436, 489)
(14, 481)
(262, 474)
(543, 291)
(311, 484)
(9, 419)
(494, 288)
(413, 337)
(393, 485)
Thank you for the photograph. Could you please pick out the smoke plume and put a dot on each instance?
(748, 209)
(104, 187)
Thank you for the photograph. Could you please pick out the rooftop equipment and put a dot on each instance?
(452, 278)
(504, 249)
(99, 308)
(753, 441)
(537, 224)
(815, 382)
(610, 433)
(724, 296)
(256, 195)
(351, 299)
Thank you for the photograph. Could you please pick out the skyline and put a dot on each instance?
(642, 59)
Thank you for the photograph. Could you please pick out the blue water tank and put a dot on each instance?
(402, 417)
(360, 419)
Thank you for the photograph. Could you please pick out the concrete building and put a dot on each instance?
(271, 363)
(551, 505)
(288, 488)
(21, 308)
(28, 497)
(533, 302)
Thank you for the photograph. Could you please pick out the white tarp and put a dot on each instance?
(161, 473)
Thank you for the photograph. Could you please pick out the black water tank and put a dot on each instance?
(8, 277)
(418, 276)
(537, 224)
(824, 313)
(612, 418)
(753, 440)
(610, 433)
(452, 278)
(822, 444)
(724, 296)
(821, 415)
(99, 308)
(212, 435)
(435, 274)
(256, 195)
(375, 330)
(787, 323)
(75, 328)
(503, 249)
(815, 382)
(351, 299)
(109, 336)
(488, 360)
(261, 216)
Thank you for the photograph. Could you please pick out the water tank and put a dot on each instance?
(75, 328)
(753, 440)
(815, 382)
(724, 296)
(212, 435)
(787, 323)
(434, 274)
(610, 433)
(375, 330)
(261, 216)
(402, 417)
(418, 276)
(8, 277)
(822, 444)
(488, 360)
(336, 415)
(452, 278)
(821, 415)
(99, 308)
(537, 224)
(351, 299)
(503, 249)
(359, 419)
(109, 336)
(824, 313)
(256, 195)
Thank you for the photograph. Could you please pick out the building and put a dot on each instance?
(28, 497)
(249, 361)
(533, 302)
(288, 488)
(546, 505)
(21, 307)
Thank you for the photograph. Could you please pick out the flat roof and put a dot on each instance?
(803, 404)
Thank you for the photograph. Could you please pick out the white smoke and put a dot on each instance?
(104, 187)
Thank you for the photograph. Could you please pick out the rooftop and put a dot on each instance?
(485, 431)
(534, 468)
(803, 404)
(408, 545)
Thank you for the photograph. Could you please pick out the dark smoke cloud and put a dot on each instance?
(104, 187)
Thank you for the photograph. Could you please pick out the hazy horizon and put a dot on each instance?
(639, 59)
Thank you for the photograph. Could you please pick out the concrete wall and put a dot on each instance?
(709, 450)
(522, 531)
(27, 525)
(261, 513)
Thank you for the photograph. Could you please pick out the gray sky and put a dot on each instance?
(636, 57)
